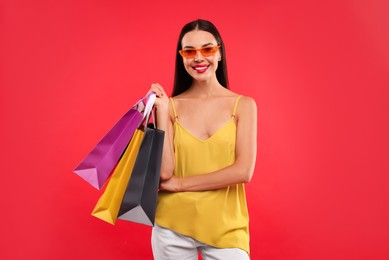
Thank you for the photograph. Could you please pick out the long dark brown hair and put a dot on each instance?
(182, 80)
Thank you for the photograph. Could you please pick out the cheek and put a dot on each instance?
(187, 62)
(214, 61)
(187, 65)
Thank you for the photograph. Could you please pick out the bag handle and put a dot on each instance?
(146, 109)
(149, 106)
(141, 105)
(149, 109)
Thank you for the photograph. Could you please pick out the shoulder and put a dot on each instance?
(246, 102)
(179, 98)
(246, 107)
(178, 101)
(242, 98)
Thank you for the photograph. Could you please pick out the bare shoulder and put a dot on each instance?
(246, 110)
(179, 98)
(246, 104)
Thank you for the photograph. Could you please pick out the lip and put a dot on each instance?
(201, 68)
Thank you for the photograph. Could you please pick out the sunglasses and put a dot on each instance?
(205, 51)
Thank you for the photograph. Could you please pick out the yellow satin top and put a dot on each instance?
(217, 218)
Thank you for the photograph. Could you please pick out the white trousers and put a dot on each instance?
(170, 245)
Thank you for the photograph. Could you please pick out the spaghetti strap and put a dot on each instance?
(174, 109)
(236, 105)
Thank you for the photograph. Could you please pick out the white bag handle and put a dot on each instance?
(149, 106)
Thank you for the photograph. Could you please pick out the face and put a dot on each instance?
(200, 67)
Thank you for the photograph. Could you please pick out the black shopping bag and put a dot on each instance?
(140, 199)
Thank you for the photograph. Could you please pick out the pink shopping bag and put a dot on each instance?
(96, 167)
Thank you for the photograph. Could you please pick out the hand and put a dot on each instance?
(173, 184)
(162, 101)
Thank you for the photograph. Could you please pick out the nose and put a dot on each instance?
(199, 56)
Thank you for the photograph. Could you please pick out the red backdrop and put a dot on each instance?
(317, 69)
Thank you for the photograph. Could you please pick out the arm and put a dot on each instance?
(164, 115)
(241, 170)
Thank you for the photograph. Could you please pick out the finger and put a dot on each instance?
(161, 89)
(158, 89)
(154, 88)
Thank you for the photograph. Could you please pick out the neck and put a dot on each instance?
(205, 88)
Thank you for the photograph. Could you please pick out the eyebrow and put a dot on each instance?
(204, 45)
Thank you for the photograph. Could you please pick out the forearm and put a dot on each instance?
(231, 175)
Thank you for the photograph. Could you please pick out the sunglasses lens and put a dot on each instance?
(208, 51)
(188, 53)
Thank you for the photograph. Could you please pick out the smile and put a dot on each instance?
(201, 68)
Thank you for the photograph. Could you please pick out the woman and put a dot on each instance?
(209, 153)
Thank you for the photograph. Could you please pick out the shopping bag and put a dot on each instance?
(140, 199)
(107, 207)
(96, 167)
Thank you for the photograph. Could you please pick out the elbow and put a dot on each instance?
(245, 169)
(167, 170)
(246, 178)
(246, 175)
(166, 174)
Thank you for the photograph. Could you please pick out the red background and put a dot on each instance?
(318, 71)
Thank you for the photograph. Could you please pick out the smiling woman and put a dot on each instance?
(318, 71)
(209, 154)
(204, 60)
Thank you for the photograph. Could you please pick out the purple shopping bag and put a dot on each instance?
(96, 167)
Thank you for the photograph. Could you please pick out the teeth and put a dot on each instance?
(200, 68)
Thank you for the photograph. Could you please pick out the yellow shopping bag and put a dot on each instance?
(107, 208)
